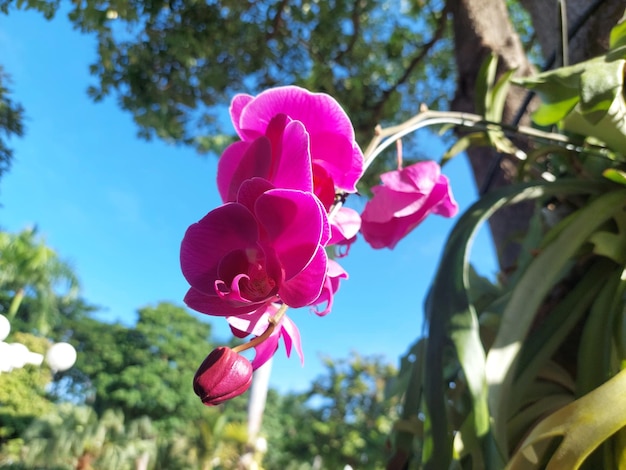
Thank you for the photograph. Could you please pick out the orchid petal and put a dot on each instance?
(250, 190)
(447, 205)
(337, 154)
(291, 337)
(214, 305)
(293, 165)
(305, 287)
(227, 228)
(331, 285)
(345, 225)
(331, 133)
(255, 161)
(294, 223)
(404, 200)
(265, 350)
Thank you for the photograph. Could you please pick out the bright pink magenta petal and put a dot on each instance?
(330, 129)
(386, 203)
(293, 168)
(291, 337)
(403, 201)
(238, 103)
(447, 206)
(266, 350)
(339, 156)
(323, 185)
(214, 305)
(389, 233)
(254, 323)
(317, 111)
(331, 285)
(250, 190)
(256, 160)
(345, 225)
(294, 223)
(257, 322)
(304, 288)
(229, 227)
(419, 177)
(227, 166)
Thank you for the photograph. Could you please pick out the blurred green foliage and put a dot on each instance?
(129, 395)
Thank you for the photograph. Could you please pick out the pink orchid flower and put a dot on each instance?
(266, 247)
(403, 201)
(281, 156)
(334, 274)
(345, 225)
(256, 323)
(335, 155)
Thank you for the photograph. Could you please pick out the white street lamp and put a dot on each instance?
(60, 356)
(6, 362)
(5, 327)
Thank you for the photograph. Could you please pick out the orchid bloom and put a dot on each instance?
(281, 156)
(344, 229)
(266, 247)
(403, 201)
(336, 159)
(257, 322)
(331, 285)
(223, 375)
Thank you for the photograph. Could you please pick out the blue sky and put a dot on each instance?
(116, 208)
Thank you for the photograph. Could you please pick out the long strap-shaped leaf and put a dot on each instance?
(584, 425)
(527, 296)
(451, 316)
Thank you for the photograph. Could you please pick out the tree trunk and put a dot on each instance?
(591, 38)
(482, 27)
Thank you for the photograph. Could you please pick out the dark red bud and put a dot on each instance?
(223, 375)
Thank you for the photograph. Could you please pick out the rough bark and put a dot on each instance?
(480, 28)
(590, 40)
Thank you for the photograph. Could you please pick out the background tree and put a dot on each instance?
(143, 370)
(76, 437)
(11, 122)
(183, 61)
(34, 282)
(23, 394)
(344, 419)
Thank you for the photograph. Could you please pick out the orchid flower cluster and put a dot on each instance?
(266, 248)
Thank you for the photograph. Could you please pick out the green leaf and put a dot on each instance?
(484, 84)
(475, 139)
(558, 90)
(615, 175)
(541, 345)
(617, 37)
(600, 85)
(594, 357)
(551, 113)
(527, 296)
(584, 425)
(498, 97)
(451, 317)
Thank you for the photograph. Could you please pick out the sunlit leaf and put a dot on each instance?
(528, 294)
(615, 175)
(452, 317)
(584, 425)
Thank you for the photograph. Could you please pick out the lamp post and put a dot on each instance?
(60, 356)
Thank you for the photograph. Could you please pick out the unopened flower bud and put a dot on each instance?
(223, 375)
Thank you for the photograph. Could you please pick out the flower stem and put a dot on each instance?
(384, 137)
(273, 321)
